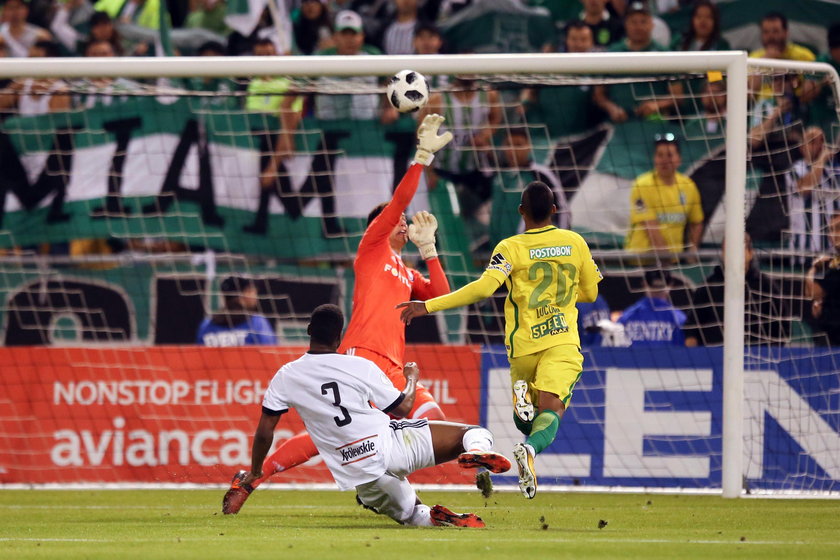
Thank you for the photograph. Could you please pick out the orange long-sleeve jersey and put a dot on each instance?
(383, 281)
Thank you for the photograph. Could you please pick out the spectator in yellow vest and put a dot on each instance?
(775, 43)
(664, 203)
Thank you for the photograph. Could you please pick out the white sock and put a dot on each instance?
(420, 517)
(478, 439)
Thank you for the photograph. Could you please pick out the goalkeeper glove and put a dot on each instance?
(428, 141)
(422, 233)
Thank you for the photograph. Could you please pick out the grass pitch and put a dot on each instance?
(184, 524)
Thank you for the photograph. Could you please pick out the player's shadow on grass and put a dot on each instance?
(340, 521)
(359, 524)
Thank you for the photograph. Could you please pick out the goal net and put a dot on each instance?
(131, 192)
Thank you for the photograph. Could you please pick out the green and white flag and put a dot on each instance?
(163, 44)
(243, 15)
(182, 170)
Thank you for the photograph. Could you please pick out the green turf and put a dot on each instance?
(304, 524)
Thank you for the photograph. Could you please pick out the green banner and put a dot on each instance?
(188, 170)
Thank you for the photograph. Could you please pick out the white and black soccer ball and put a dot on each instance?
(408, 91)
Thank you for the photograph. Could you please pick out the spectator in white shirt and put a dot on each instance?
(19, 35)
(398, 37)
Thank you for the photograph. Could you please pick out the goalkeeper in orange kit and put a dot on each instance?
(375, 331)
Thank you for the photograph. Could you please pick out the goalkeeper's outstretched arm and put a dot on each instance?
(428, 142)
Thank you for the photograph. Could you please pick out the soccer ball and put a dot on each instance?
(408, 91)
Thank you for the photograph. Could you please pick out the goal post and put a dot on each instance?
(197, 274)
(733, 64)
(385, 65)
(733, 356)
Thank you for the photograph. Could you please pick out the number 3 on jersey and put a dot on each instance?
(563, 274)
(345, 416)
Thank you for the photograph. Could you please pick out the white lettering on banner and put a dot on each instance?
(119, 440)
(202, 390)
(158, 393)
(180, 389)
(197, 447)
(505, 434)
(165, 439)
(147, 448)
(235, 450)
(626, 423)
(96, 452)
(141, 450)
(440, 390)
(766, 393)
(90, 175)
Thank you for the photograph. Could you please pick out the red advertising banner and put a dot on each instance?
(173, 414)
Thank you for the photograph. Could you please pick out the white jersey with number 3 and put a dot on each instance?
(332, 393)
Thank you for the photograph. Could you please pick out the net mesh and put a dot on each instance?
(125, 204)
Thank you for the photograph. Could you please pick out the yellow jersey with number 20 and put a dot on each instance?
(544, 270)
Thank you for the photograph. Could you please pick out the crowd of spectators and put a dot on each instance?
(668, 209)
(131, 26)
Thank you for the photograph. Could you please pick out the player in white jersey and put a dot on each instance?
(363, 448)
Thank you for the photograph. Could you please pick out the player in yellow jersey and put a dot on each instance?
(546, 270)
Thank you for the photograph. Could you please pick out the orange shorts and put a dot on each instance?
(424, 402)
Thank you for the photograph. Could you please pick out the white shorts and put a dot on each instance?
(411, 447)
(411, 450)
